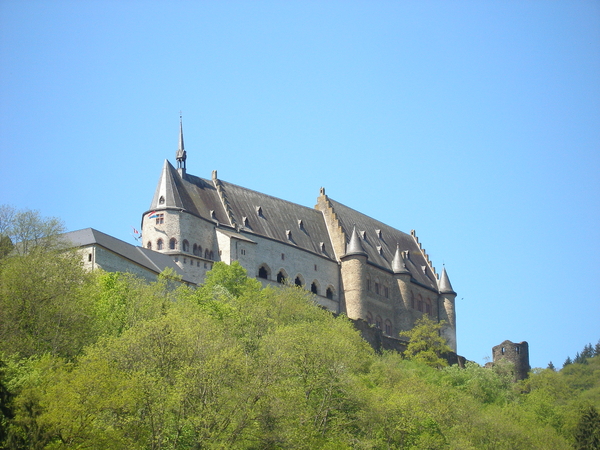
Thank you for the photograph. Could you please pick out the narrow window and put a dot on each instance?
(388, 327)
(206, 253)
(149, 245)
(159, 244)
(172, 243)
(298, 281)
(378, 322)
(377, 288)
(315, 267)
(211, 255)
(282, 256)
(262, 273)
(186, 246)
(161, 200)
(280, 277)
(329, 293)
(386, 292)
(313, 288)
(160, 218)
(89, 257)
(368, 284)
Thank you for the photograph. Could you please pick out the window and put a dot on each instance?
(206, 253)
(282, 256)
(313, 288)
(186, 246)
(420, 302)
(243, 252)
(159, 244)
(263, 273)
(172, 243)
(298, 281)
(315, 267)
(368, 284)
(195, 249)
(185, 260)
(160, 218)
(89, 257)
(377, 288)
(388, 327)
(412, 300)
(427, 307)
(161, 200)
(281, 277)
(378, 322)
(211, 255)
(149, 245)
(197, 263)
(329, 293)
(386, 292)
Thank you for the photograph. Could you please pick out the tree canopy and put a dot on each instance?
(106, 360)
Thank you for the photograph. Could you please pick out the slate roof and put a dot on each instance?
(195, 195)
(154, 261)
(279, 219)
(380, 241)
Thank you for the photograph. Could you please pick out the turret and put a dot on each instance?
(446, 309)
(354, 269)
(181, 154)
(518, 354)
(402, 276)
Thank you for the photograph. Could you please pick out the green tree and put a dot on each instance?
(587, 433)
(425, 343)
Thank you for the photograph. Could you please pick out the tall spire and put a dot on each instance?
(181, 154)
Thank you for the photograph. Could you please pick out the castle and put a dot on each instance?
(353, 263)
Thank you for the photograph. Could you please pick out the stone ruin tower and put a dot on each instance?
(516, 353)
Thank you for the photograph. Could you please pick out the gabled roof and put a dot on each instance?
(380, 242)
(153, 261)
(278, 219)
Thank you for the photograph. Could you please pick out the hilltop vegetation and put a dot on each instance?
(105, 360)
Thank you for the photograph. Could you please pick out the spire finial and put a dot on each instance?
(181, 154)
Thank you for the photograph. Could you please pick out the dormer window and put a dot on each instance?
(363, 235)
(322, 246)
(245, 221)
(380, 249)
(288, 234)
(161, 200)
(300, 224)
(212, 214)
(259, 211)
(378, 232)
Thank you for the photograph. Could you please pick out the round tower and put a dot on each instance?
(446, 310)
(516, 353)
(402, 276)
(354, 267)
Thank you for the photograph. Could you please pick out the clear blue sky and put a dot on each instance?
(475, 123)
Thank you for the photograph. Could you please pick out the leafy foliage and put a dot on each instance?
(426, 345)
(137, 365)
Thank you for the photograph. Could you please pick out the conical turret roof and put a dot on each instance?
(398, 265)
(445, 286)
(167, 194)
(354, 246)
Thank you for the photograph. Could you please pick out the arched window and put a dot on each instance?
(368, 284)
(206, 253)
(263, 272)
(329, 293)
(186, 246)
(314, 288)
(412, 300)
(281, 277)
(388, 327)
(378, 322)
(159, 244)
(161, 200)
(211, 255)
(172, 243)
(195, 249)
(149, 245)
(420, 303)
(428, 306)
(369, 318)
(298, 281)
